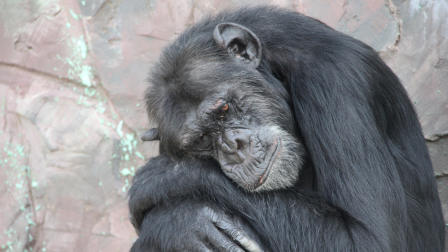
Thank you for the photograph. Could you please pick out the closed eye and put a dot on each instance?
(203, 142)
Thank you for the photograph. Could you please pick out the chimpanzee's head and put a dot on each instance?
(213, 96)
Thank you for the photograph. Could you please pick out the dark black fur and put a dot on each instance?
(367, 184)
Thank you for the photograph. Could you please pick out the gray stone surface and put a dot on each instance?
(72, 75)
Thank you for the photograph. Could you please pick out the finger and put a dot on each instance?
(221, 241)
(150, 135)
(247, 243)
(237, 234)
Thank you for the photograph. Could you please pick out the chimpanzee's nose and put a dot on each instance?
(236, 139)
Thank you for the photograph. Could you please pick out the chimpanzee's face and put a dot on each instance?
(224, 108)
(239, 121)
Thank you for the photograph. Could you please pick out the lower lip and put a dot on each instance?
(265, 175)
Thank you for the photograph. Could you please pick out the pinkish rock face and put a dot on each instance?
(72, 78)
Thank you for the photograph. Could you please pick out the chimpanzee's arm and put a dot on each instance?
(189, 225)
(283, 220)
(169, 214)
(175, 205)
(162, 180)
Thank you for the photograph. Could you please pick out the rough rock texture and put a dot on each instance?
(72, 77)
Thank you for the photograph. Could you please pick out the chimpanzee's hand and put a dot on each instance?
(162, 180)
(190, 226)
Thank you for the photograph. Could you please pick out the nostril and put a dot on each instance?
(238, 144)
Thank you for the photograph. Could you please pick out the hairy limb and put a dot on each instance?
(283, 220)
(162, 180)
(190, 226)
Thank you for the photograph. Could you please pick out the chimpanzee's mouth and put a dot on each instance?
(275, 150)
(255, 169)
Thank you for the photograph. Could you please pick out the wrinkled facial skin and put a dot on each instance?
(235, 130)
(247, 127)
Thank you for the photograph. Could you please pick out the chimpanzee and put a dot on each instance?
(278, 133)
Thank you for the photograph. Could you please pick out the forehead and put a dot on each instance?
(187, 76)
(211, 76)
(194, 86)
(203, 81)
(204, 89)
(206, 71)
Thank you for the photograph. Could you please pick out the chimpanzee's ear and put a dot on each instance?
(239, 41)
